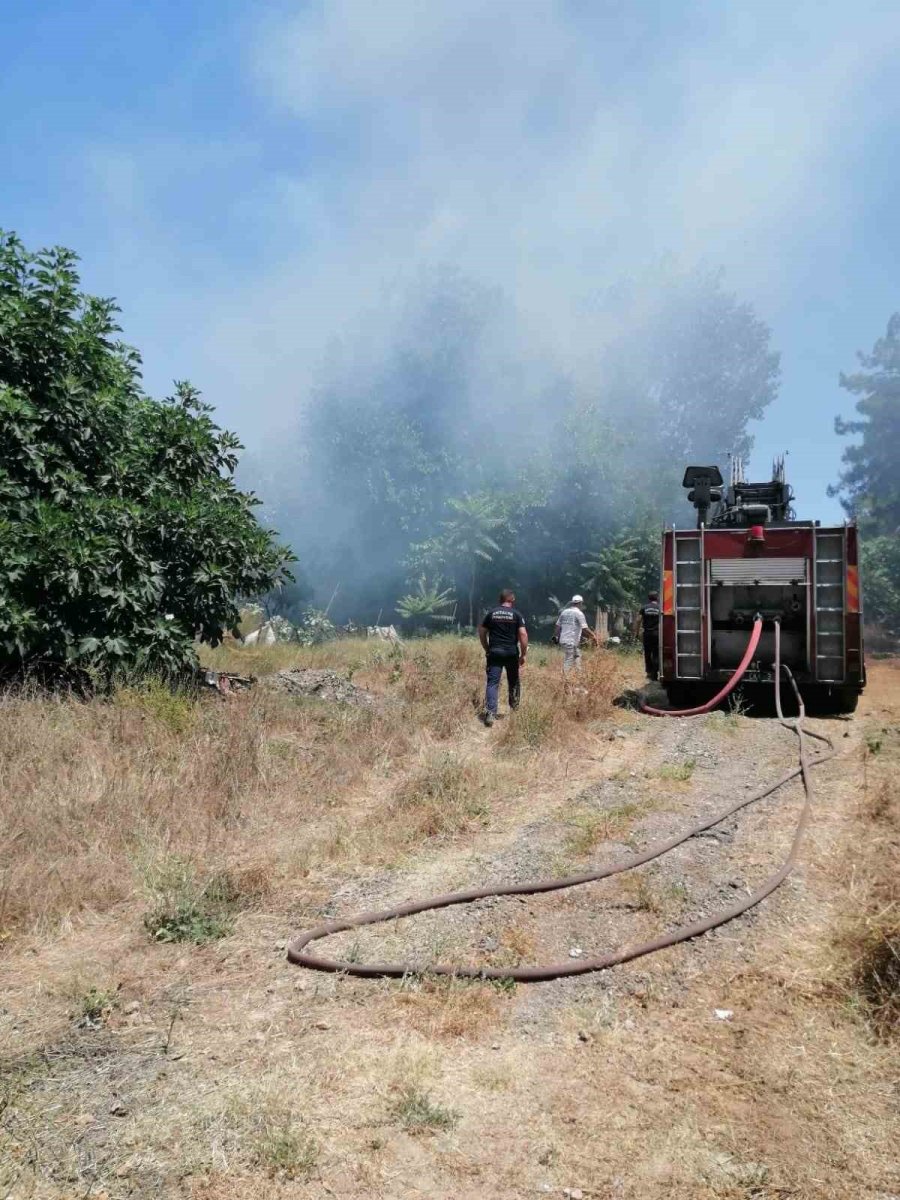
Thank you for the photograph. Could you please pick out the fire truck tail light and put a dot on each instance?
(852, 589)
(668, 596)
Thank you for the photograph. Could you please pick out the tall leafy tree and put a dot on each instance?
(613, 574)
(881, 582)
(467, 538)
(122, 533)
(869, 485)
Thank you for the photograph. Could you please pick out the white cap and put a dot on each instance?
(576, 599)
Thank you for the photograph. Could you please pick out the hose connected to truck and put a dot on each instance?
(298, 954)
(729, 687)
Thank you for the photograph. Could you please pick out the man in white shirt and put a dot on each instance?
(570, 625)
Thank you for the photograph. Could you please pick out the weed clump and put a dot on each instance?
(678, 772)
(552, 703)
(287, 1151)
(416, 1112)
(531, 726)
(186, 908)
(93, 1007)
(590, 827)
(170, 707)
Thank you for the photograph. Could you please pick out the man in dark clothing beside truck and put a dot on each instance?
(504, 639)
(650, 634)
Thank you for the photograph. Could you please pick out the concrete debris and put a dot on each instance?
(320, 684)
(264, 636)
(724, 1014)
(385, 633)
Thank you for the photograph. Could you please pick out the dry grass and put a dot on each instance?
(549, 710)
(91, 792)
(449, 1009)
(446, 794)
(96, 794)
(215, 1071)
(868, 937)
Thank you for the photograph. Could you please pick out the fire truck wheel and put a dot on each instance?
(683, 695)
(831, 702)
(846, 700)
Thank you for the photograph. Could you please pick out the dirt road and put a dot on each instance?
(732, 1067)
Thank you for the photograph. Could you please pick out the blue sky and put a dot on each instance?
(247, 178)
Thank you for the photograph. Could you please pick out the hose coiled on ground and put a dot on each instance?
(298, 954)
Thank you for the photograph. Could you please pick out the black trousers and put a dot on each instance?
(494, 667)
(651, 655)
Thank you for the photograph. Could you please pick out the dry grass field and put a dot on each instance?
(157, 851)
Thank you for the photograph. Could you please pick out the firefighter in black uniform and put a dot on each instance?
(650, 634)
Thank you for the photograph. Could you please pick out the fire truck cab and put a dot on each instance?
(749, 555)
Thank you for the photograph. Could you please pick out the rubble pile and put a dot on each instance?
(321, 684)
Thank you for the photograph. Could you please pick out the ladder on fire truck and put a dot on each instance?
(829, 606)
(688, 604)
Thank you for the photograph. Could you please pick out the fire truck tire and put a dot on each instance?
(685, 695)
(831, 702)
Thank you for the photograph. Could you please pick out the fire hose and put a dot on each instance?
(729, 686)
(298, 954)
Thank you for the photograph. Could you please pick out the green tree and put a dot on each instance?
(467, 537)
(122, 534)
(614, 574)
(426, 601)
(881, 582)
(869, 486)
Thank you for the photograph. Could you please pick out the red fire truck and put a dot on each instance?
(749, 556)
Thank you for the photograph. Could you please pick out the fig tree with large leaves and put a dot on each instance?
(123, 537)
